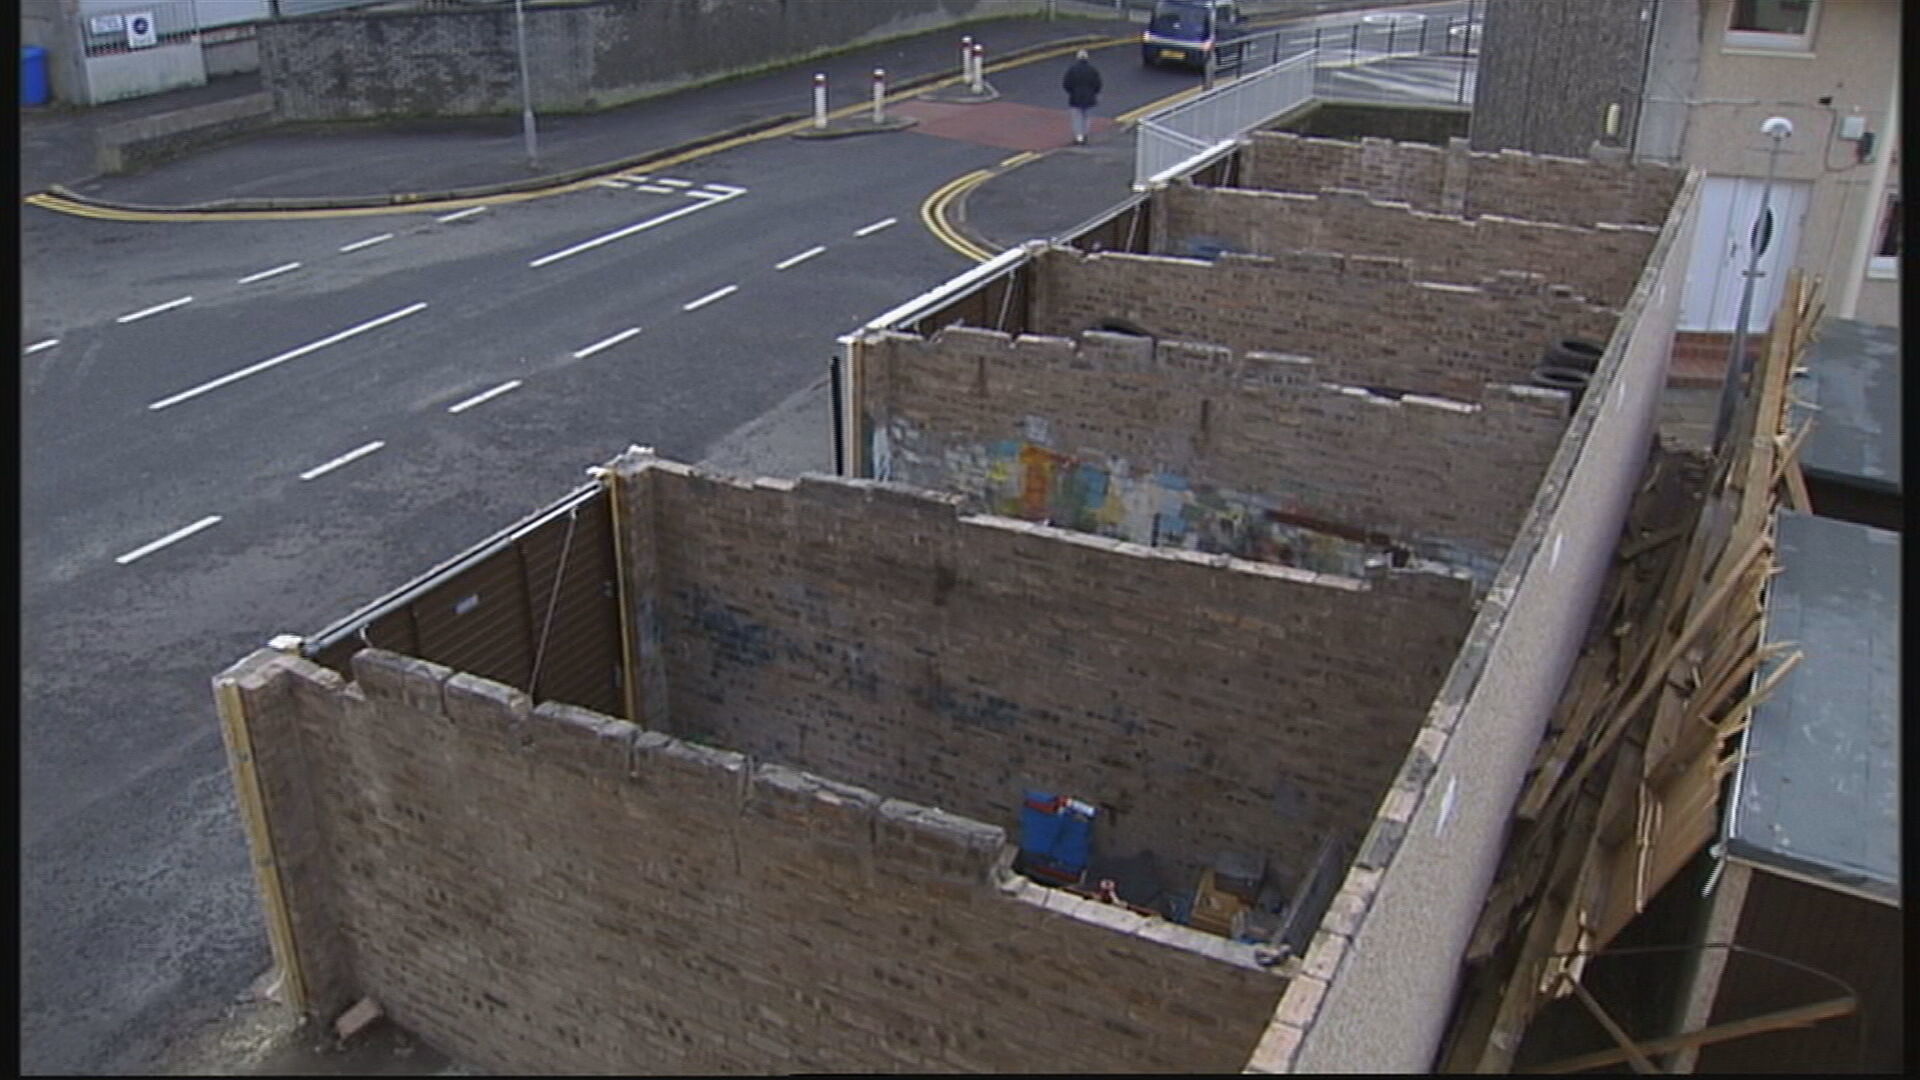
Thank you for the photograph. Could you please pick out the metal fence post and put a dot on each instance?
(1353, 47)
(1460, 93)
(1393, 31)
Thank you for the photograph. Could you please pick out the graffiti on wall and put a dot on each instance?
(1036, 483)
(1027, 479)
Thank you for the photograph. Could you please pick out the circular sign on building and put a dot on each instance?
(140, 32)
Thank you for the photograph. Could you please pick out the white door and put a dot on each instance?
(1716, 271)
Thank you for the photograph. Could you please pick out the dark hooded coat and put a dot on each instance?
(1082, 84)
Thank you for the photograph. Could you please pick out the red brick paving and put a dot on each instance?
(1004, 124)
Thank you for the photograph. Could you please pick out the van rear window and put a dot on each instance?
(1185, 23)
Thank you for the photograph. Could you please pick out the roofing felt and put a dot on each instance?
(1818, 794)
(1853, 377)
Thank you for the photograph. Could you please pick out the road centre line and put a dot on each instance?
(350, 456)
(368, 242)
(883, 223)
(155, 310)
(710, 298)
(486, 396)
(144, 550)
(458, 214)
(265, 274)
(39, 345)
(621, 234)
(608, 343)
(795, 260)
(255, 369)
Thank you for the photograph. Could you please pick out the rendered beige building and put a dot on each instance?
(1832, 68)
(1689, 82)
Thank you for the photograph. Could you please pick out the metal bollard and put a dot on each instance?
(966, 60)
(879, 94)
(819, 100)
(979, 68)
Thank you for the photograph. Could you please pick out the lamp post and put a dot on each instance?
(526, 91)
(1778, 129)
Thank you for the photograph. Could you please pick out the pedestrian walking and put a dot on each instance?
(1082, 84)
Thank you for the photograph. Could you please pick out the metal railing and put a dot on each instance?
(1187, 135)
(1449, 47)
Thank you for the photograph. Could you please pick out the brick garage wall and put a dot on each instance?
(579, 56)
(1534, 187)
(875, 634)
(1601, 264)
(550, 890)
(1399, 171)
(1194, 446)
(1368, 316)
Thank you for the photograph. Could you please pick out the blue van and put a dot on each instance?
(1187, 31)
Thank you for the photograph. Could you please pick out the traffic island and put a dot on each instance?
(856, 125)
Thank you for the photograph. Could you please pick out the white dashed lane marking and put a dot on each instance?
(144, 550)
(255, 369)
(347, 458)
(869, 230)
(265, 274)
(621, 234)
(489, 395)
(368, 242)
(795, 260)
(458, 214)
(605, 343)
(39, 345)
(716, 294)
(154, 310)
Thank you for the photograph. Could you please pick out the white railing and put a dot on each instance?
(1183, 137)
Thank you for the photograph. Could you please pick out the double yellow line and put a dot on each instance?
(60, 204)
(934, 211)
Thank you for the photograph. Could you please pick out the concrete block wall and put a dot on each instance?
(1171, 443)
(1453, 179)
(1367, 999)
(1600, 263)
(580, 56)
(879, 635)
(138, 143)
(1370, 316)
(548, 890)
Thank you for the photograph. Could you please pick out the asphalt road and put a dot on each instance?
(202, 474)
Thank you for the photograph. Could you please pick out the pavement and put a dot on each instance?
(376, 163)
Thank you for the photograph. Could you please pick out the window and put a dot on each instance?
(1885, 261)
(1783, 25)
